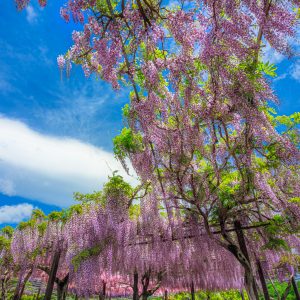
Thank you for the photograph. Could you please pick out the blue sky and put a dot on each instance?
(56, 135)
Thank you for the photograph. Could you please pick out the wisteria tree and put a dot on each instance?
(38, 251)
(110, 251)
(7, 266)
(200, 128)
(199, 122)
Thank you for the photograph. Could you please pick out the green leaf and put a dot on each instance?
(42, 227)
(267, 68)
(117, 187)
(127, 142)
(90, 252)
(134, 211)
(8, 231)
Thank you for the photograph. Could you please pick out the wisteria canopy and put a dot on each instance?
(217, 206)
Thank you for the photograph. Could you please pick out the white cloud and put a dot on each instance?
(15, 213)
(174, 3)
(48, 168)
(31, 15)
(280, 77)
(295, 70)
(272, 56)
(7, 187)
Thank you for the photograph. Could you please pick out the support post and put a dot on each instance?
(192, 291)
(135, 286)
(52, 275)
(262, 280)
(166, 295)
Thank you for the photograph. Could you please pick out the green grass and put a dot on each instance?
(280, 287)
(200, 295)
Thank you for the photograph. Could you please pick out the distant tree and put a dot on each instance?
(7, 266)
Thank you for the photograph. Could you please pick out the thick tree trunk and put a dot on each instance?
(262, 280)
(295, 287)
(244, 259)
(135, 286)
(192, 291)
(145, 283)
(250, 285)
(52, 275)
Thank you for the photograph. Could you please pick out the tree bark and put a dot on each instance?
(21, 286)
(52, 275)
(192, 291)
(250, 285)
(145, 284)
(17, 289)
(295, 287)
(262, 280)
(135, 286)
(250, 282)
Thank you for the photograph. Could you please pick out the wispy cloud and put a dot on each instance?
(295, 70)
(88, 111)
(15, 213)
(271, 55)
(280, 77)
(31, 15)
(7, 187)
(48, 168)
(76, 110)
